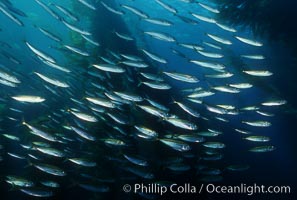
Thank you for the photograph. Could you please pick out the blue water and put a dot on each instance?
(270, 168)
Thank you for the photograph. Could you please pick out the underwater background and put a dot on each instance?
(99, 94)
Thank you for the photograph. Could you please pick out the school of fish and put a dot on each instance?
(73, 117)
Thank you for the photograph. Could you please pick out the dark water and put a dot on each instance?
(276, 168)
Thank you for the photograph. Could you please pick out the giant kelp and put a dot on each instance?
(270, 18)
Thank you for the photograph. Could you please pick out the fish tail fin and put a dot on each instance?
(24, 40)
(173, 101)
(140, 83)
(29, 164)
(23, 122)
(133, 107)
(146, 97)
(32, 73)
(12, 187)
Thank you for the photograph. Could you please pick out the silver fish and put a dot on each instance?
(213, 10)
(248, 41)
(112, 9)
(226, 28)
(219, 39)
(124, 36)
(182, 123)
(75, 29)
(161, 22)
(203, 18)
(10, 16)
(135, 11)
(215, 66)
(50, 169)
(76, 50)
(182, 77)
(257, 123)
(157, 85)
(176, 144)
(40, 54)
(52, 81)
(166, 6)
(28, 98)
(154, 57)
(83, 134)
(161, 36)
(262, 149)
(109, 68)
(84, 116)
(260, 73)
(87, 4)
